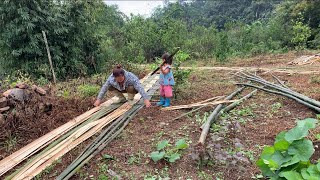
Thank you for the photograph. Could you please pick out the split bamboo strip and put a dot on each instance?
(27, 151)
(103, 139)
(104, 111)
(81, 135)
(197, 105)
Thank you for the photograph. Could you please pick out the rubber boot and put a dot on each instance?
(167, 102)
(161, 102)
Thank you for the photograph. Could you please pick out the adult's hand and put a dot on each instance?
(97, 102)
(147, 103)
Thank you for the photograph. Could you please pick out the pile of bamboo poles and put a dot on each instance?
(278, 89)
(103, 140)
(67, 137)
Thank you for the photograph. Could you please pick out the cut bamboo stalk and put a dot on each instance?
(210, 99)
(212, 116)
(284, 94)
(197, 105)
(97, 115)
(27, 151)
(42, 162)
(284, 90)
(98, 142)
(185, 114)
(102, 140)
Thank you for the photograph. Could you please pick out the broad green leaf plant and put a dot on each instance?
(171, 155)
(289, 157)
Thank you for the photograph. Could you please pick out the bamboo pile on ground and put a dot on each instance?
(17, 157)
(278, 89)
(103, 140)
(59, 148)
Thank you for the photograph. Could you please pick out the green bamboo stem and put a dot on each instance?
(213, 115)
(284, 94)
(101, 142)
(284, 90)
(94, 117)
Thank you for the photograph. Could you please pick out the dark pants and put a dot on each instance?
(129, 89)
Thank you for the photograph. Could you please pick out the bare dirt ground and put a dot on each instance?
(232, 147)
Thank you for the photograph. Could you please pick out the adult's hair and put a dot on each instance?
(167, 58)
(118, 71)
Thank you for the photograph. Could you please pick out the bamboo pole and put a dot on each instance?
(101, 142)
(211, 118)
(97, 115)
(27, 151)
(188, 106)
(49, 57)
(81, 135)
(283, 94)
(284, 90)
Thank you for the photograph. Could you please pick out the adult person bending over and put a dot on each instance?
(121, 81)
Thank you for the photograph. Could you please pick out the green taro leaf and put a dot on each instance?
(162, 145)
(267, 152)
(280, 159)
(264, 168)
(301, 130)
(281, 145)
(291, 175)
(156, 155)
(273, 165)
(294, 160)
(318, 166)
(181, 144)
(313, 172)
(280, 136)
(174, 157)
(302, 149)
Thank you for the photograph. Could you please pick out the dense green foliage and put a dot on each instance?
(289, 157)
(87, 37)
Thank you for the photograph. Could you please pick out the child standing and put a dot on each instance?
(166, 81)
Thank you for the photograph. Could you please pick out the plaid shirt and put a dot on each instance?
(130, 80)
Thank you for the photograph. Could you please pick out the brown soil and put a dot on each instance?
(27, 121)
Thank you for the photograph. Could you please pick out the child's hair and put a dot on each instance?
(117, 71)
(167, 58)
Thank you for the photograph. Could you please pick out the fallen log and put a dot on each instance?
(212, 116)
